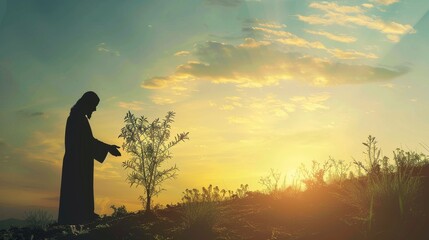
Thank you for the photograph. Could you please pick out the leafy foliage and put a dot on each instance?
(271, 181)
(149, 147)
(386, 197)
(314, 176)
(338, 171)
(119, 211)
(38, 218)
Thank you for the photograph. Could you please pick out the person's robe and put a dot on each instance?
(77, 181)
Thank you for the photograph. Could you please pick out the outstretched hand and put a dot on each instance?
(113, 149)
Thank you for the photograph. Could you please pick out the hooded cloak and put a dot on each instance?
(77, 181)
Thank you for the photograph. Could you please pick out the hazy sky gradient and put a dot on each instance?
(258, 84)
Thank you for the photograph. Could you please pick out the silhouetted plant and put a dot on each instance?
(243, 191)
(409, 161)
(373, 166)
(38, 218)
(119, 211)
(314, 177)
(271, 181)
(149, 147)
(338, 171)
(386, 197)
(199, 208)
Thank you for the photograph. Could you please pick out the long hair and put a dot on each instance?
(85, 102)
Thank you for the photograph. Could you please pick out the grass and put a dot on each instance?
(386, 196)
(38, 218)
(200, 209)
(383, 198)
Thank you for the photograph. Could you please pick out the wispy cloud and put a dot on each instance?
(291, 39)
(332, 6)
(385, 2)
(106, 171)
(271, 24)
(354, 15)
(170, 89)
(161, 100)
(224, 3)
(40, 157)
(367, 5)
(102, 47)
(388, 85)
(313, 102)
(30, 113)
(182, 53)
(265, 65)
(351, 54)
(252, 43)
(334, 37)
(257, 112)
(134, 105)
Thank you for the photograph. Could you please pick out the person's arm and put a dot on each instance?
(101, 149)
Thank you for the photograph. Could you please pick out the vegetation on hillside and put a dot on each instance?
(375, 198)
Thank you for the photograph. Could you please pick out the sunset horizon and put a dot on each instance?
(258, 84)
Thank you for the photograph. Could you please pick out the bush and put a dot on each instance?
(119, 211)
(38, 218)
(314, 177)
(149, 147)
(271, 182)
(200, 209)
(386, 197)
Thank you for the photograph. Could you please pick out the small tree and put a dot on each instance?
(149, 146)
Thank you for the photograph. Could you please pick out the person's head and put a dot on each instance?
(87, 104)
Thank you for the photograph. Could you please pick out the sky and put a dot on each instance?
(259, 84)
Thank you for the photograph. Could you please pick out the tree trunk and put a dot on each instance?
(148, 200)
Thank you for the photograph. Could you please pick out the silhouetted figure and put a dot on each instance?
(81, 148)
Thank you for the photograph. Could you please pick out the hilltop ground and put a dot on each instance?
(381, 201)
(315, 214)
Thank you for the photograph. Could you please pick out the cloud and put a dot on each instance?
(224, 3)
(30, 114)
(252, 43)
(301, 42)
(106, 171)
(313, 102)
(367, 5)
(352, 54)
(102, 47)
(34, 167)
(385, 2)
(271, 24)
(257, 112)
(288, 38)
(334, 37)
(393, 38)
(354, 15)
(134, 105)
(331, 6)
(160, 100)
(265, 65)
(173, 92)
(54, 199)
(182, 53)
(157, 82)
(170, 89)
(388, 85)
